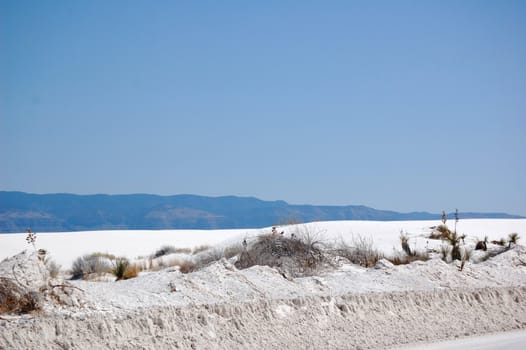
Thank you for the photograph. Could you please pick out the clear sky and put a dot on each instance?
(400, 105)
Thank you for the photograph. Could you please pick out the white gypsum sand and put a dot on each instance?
(350, 307)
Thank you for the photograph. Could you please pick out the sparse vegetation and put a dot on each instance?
(441, 232)
(404, 240)
(502, 242)
(300, 254)
(513, 238)
(15, 300)
(119, 267)
(96, 263)
(360, 251)
(482, 245)
(169, 249)
(187, 267)
(407, 256)
(404, 259)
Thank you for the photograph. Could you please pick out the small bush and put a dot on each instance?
(89, 264)
(15, 300)
(168, 249)
(360, 251)
(131, 271)
(404, 241)
(404, 259)
(513, 238)
(187, 267)
(119, 267)
(502, 242)
(300, 254)
(482, 245)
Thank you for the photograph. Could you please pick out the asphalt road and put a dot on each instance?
(515, 340)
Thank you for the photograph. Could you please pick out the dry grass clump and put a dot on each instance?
(187, 267)
(16, 300)
(502, 242)
(297, 255)
(403, 259)
(441, 232)
(96, 263)
(168, 249)
(120, 265)
(360, 251)
(513, 238)
(482, 245)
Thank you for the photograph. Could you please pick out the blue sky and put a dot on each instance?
(401, 105)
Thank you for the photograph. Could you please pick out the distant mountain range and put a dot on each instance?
(69, 212)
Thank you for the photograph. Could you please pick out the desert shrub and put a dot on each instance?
(444, 230)
(300, 254)
(513, 238)
(482, 245)
(168, 249)
(119, 267)
(16, 300)
(404, 241)
(404, 259)
(164, 250)
(89, 264)
(131, 271)
(440, 232)
(187, 267)
(502, 242)
(360, 251)
(454, 241)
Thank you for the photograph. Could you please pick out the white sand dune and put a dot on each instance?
(351, 307)
(66, 247)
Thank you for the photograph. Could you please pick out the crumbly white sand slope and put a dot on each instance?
(220, 307)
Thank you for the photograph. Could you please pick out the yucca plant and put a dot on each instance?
(482, 245)
(454, 240)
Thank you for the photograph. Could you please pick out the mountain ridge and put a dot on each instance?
(59, 212)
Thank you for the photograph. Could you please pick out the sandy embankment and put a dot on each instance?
(366, 321)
